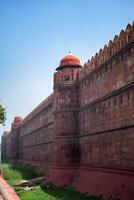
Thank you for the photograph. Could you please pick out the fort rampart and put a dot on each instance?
(82, 135)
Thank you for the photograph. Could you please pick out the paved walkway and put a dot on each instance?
(1, 197)
(6, 191)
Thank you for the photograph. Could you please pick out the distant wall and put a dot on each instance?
(36, 131)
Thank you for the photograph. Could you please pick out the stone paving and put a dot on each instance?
(7, 193)
(1, 197)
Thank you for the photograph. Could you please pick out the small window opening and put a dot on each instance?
(66, 78)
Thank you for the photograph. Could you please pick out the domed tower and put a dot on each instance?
(15, 138)
(16, 122)
(66, 103)
(68, 70)
(66, 84)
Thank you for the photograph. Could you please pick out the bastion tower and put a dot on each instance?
(66, 102)
(15, 138)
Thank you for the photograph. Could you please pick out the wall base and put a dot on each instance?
(108, 183)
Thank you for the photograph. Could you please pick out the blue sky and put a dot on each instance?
(36, 34)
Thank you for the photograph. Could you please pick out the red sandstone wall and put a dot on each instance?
(36, 133)
(112, 149)
(3, 147)
(111, 112)
(114, 74)
(118, 43)
(8, 147)
(107, 109)
(108, 183)
(106, 126)
(115, 110)
(84, 132)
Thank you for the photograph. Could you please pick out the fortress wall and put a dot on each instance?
(8, 144)
(115, 73)
(36, 131)
(103, 182)
(113, 111)
(114, 46)
(107, 111)
(112, 149)
(3, 147)
(83, 134)
(106, 128)
(37, 117)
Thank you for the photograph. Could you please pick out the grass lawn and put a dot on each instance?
(15, 174)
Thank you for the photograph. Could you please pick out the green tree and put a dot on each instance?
(2, 115)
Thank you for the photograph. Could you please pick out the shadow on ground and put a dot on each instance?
(67, 194)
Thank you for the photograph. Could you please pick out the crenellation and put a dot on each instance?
(109, 50)
(39, 108)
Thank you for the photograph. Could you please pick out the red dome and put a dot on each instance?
(70, 60)
(17, 118)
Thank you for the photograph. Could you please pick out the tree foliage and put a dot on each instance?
(2, 115)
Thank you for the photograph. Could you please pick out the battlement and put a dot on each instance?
(115, 45)
(38, 109)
